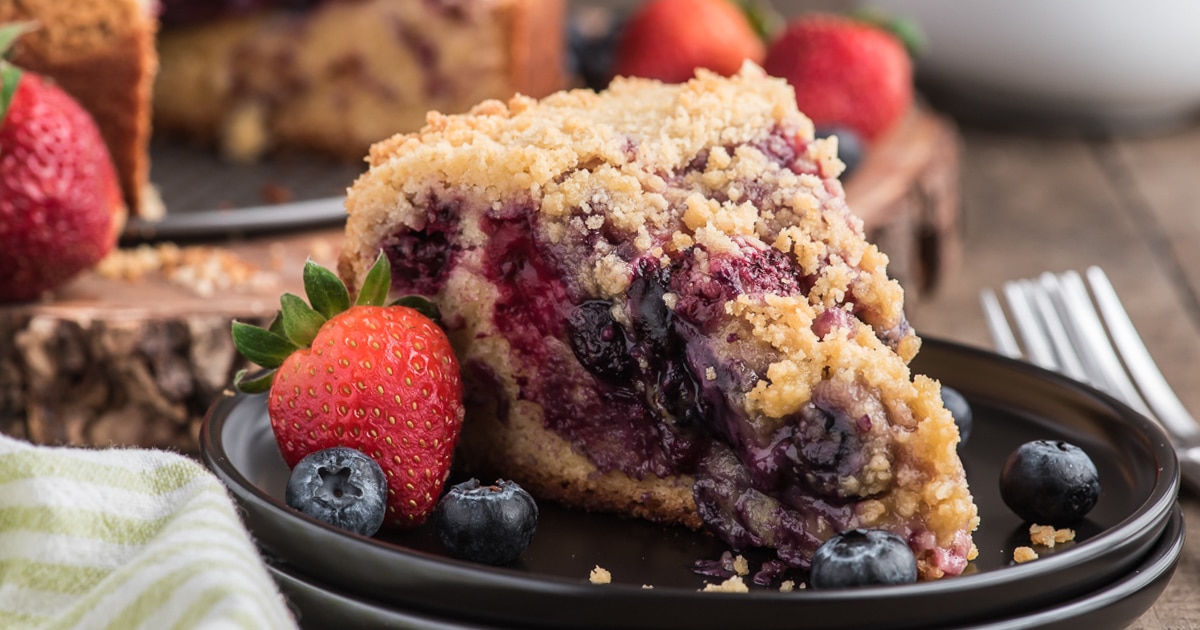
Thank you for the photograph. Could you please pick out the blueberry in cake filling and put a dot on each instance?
(666, 310)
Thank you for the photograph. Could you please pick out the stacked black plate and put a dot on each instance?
(1123, 556)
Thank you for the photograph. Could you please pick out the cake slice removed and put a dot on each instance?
(664, 308)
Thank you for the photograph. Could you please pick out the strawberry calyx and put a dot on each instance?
(764, 19)
(10, 75)
(298, 322)
(903, 28)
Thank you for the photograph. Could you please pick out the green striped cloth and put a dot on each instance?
(121, 539)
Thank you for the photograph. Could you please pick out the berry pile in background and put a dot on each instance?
(846, 72)
(380, 379)
(60, 204)
(668, 39)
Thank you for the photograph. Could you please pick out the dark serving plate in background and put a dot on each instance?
(1013, 402)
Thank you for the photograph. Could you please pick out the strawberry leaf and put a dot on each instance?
(766, 21)
(255, 385)
(277, 324)
(420, 305)
(325, 290)
(375, 286)
(261, 345)
(300, 321)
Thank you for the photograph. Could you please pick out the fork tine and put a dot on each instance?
(1050, 305)
(1141, 365)
(1037, 346)
(1103, 361)
(1002, 335)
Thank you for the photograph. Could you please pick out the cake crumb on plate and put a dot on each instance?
(1048, 536)
(732, 585)
(600, 575)
(1024, 554)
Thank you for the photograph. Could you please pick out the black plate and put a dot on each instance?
(208, 198)
(1113, 606)
(1013, 402)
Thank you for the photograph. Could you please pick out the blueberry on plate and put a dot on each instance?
(958, 407)
(851, 148)
(1049, 482)
(862, 557)
(488, 524)
(341, 486)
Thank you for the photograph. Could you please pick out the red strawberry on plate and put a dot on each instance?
(60, 204)
(381, 379)
(668, 39)
(845, 72)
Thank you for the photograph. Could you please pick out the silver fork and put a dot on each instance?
(1061, 330)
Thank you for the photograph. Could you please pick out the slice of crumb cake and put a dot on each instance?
(665, 308)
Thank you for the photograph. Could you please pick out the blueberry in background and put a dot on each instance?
(862, 557)
(488, 524)
(851, 148)
(958, 407)
(1049, 482)
(341, 486)
(592, 36)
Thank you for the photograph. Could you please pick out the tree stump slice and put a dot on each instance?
(113, 361)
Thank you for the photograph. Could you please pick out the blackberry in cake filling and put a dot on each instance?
(703, 331)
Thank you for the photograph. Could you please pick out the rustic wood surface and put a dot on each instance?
(1032, 204)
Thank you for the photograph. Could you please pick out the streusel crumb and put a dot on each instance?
(1048, 536)
(732, 585)
(1024, 554)
(600, 575)
(202, 269)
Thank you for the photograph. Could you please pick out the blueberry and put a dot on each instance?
(958, 407)
(340, 486)
(851, 148)
(489, 524)
(598, 341)
(1049, 482)
(862, 557)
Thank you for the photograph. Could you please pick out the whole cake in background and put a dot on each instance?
(103, 54)
(254, 75)
(664, 308)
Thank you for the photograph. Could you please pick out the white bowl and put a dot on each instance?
(1105, 62)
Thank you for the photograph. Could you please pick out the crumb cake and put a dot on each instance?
(337, 76)
(664, 308)
(102, 53)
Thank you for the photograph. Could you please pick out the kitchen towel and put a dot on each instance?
(124, 538)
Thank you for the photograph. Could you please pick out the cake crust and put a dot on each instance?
(658, 290)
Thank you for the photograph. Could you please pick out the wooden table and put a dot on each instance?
(1032, 204)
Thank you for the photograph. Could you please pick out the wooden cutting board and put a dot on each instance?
(128, 358)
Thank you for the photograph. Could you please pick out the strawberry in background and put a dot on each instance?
(847, 72)
(668, 39)
(60, 204)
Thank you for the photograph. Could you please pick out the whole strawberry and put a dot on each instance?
(845, 72)
(668, 39)
(380, 379)
(60, 204)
